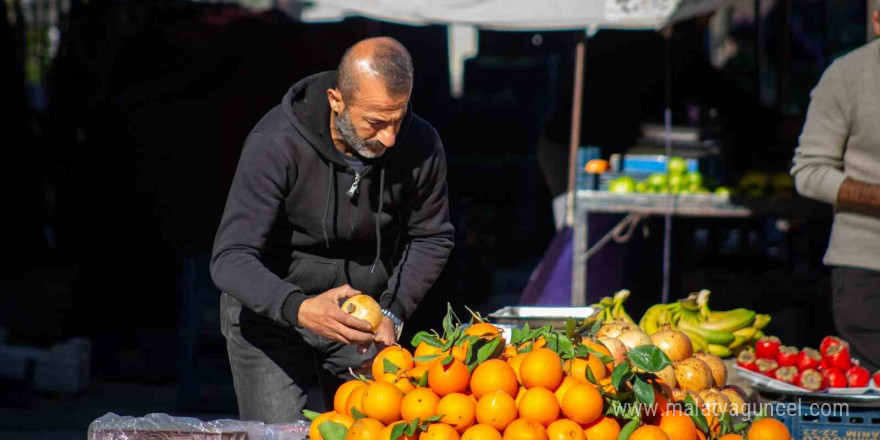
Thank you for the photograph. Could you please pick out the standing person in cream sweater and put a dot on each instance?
(838, 162)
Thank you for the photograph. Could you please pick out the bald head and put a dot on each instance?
(383, 59)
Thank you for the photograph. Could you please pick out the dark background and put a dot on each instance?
(121, 140)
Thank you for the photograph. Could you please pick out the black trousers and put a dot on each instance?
(274, 366)
(856, 305)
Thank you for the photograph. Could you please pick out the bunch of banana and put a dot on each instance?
(612, 308)
(718, 333)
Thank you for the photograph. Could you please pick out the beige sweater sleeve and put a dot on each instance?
(818, 159)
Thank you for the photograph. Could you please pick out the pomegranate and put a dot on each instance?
(364, 307)
(612, 329)
(737, 400)
(617, 349)
(715, 402)
(667, 375)
(676, 345)
(634, 338)
(719, 370)
(693, 374)
(679, 395)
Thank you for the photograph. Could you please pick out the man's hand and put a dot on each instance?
(385, 334)
(322, 315)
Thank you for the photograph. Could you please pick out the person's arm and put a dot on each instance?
(255, 199)
(428, 240)
(859, 196)
(818, 160)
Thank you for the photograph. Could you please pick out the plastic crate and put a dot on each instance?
(816, 420)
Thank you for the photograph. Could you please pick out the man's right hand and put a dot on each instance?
(322, 315)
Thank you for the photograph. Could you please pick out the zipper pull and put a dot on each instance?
(352, 192)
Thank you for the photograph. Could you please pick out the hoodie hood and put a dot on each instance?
(306, 106)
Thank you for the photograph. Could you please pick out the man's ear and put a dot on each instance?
(334, 97)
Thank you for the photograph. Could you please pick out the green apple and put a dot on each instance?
(676, 166)
(676, 182)
(622, 185)
(694, 178)
(657, 180)
(642, 187)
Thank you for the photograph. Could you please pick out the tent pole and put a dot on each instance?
(576, 103)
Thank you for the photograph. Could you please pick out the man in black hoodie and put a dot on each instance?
(340, 190)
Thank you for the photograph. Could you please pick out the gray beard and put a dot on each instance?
(363, 147)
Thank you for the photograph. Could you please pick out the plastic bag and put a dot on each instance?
(164, 427)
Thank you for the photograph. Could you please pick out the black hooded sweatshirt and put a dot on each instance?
(299, 221)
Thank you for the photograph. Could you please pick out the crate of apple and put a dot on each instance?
(830, 367)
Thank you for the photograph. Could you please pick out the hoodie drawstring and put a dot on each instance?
(378, 218)
(330, 181)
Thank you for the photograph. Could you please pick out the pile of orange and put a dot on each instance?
(525, 393)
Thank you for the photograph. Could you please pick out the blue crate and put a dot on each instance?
(823, 420)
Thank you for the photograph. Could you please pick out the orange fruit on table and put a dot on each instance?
(416, 373)
(364, 307)
(678, 425)
(355, 400)
(365, 429)
(332, 416)
(447, 379)
(525, 429)
(493, 375)
(515, 362)
(541, 368)
(583, 403)
(601, 349)
(399, 380)
(381, 401)
(605, 428)
(342, 394)
(607, 386)
(458, 411)
(731, 437)
(596, 166)
(496, 409)
(481, 432)
(420, 402)
(386, 433)
(519, 394)
(439, 431)
(565, 429)
(482, 329)
(767, 429)
(649, 432)
(566, 384)
(577, 368)
(540, 405)
(400, 357)
(423, 349)
(509, 351)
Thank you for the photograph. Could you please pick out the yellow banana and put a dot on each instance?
(699, 343)
(719, 337)
(730, 320)
(720, 350)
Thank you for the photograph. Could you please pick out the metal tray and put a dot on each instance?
(537, 316)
